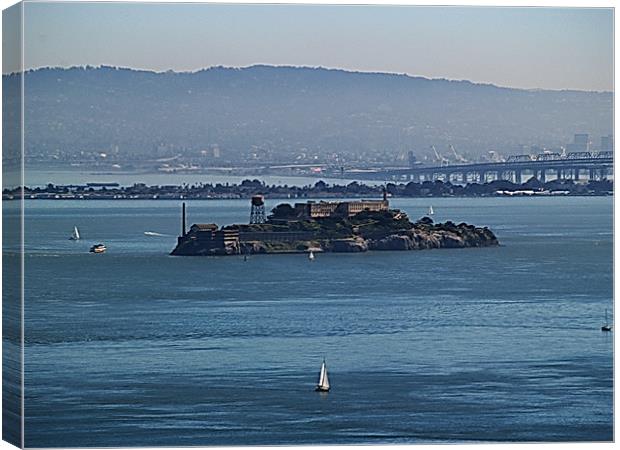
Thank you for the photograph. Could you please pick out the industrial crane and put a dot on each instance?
(440, 159)
(457, 157)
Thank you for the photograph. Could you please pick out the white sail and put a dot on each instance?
(75, 235)
(311, 256)
(323, 384)
(430, 211)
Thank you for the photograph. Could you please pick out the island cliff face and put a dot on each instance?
(365, 231)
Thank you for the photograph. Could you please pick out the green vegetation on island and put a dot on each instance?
(320, 189)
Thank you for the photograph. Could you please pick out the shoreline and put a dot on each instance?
(15, 198)
(248, 188)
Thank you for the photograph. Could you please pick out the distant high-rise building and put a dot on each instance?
(412, 159)
(581, 143)
(607, 143)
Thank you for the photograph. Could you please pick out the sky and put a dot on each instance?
(547, 48)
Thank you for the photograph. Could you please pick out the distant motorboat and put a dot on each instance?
(311, 256)
(98, 248)
(430, 211)
(606, 326)
(152, 233)
(323, 383)
(75, 236)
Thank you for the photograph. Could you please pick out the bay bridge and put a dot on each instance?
(519, 168)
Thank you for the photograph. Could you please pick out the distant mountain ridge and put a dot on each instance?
(321, 68)
(280, 112)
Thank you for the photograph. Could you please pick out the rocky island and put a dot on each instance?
(352, 226)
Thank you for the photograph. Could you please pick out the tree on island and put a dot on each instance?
(320, 185)
(283, 211)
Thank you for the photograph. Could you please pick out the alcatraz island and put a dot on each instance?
(335, 226)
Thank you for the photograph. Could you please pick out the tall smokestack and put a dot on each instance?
(183, 221)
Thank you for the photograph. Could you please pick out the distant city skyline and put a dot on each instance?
(546, 48)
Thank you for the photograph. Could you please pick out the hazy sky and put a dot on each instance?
(519, 47)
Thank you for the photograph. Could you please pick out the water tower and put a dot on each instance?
(257, 213)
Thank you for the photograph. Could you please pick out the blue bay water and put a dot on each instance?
(135, 347)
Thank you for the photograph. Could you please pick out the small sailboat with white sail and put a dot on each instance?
(606, 326)
(311, 255)
(430, 210)
(323, 383)
(75, 236)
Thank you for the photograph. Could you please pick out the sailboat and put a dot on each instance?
(75, 236)
(430, 210)
(323, 383)
(311, 255)
(606, 326)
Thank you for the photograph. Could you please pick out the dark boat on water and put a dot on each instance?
(98, 248)
(606, 326)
